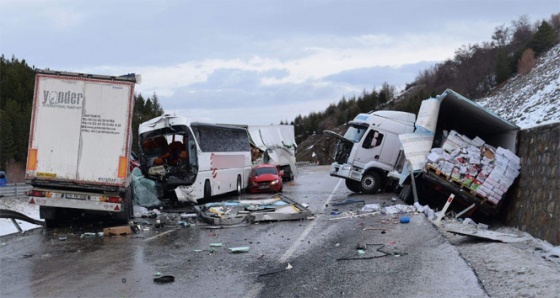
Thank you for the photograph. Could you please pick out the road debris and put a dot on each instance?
(117, 231)
(275, 208)
(477, 232)
(239, 249)
(348, 201)
(405, 219)
(164, 279)
(361, 251)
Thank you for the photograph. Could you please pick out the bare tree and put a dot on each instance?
(527, 62)
(501, 36)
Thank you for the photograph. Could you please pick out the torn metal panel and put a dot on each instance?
(469, 230)
(275, 208)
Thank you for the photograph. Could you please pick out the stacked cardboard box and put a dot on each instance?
(486, 171)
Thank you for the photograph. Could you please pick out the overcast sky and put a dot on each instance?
(254, 61)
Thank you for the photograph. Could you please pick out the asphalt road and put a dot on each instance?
(304, 258)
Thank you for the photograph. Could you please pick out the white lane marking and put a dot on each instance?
(288, 254)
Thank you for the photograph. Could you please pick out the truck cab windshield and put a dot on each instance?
(355, 132)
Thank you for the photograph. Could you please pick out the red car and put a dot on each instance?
(265, 178)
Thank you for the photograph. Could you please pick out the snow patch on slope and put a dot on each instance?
(533, 99)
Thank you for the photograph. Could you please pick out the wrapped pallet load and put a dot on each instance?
(483, 169)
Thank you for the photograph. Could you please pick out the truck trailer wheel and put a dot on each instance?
(352, 185)
(126, 211)
(49, 215)
(370, 183)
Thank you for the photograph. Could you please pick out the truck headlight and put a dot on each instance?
(346, 167)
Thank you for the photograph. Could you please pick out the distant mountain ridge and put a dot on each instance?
(533, 99)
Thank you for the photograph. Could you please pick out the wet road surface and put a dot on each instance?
(398, 260)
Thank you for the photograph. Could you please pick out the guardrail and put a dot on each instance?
(300, 164)
(16, 190)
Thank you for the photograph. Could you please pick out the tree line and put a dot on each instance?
(17, 81)
(474, 72)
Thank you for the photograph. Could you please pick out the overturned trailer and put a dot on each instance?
(460, 148)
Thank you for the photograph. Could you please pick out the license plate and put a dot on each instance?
(75, 196)
(264, 187)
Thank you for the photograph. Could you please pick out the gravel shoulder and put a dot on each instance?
(521, 269)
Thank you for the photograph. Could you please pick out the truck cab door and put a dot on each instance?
(371, 148)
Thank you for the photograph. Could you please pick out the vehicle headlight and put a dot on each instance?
(346, 167)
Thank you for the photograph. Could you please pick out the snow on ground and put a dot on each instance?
(20, 205)
(533, 99)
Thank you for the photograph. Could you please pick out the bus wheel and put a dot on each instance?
(239, 189)
(207, 190)
(370, 183)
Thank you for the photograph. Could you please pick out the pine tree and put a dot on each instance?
(543, 39)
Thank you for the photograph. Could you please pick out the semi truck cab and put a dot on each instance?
(370, 151)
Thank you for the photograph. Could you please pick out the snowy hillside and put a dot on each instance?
(530, 100)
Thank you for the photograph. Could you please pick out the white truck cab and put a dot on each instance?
(370, 151)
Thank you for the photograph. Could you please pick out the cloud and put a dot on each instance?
(262, 61)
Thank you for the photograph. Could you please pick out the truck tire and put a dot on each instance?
(352, 185)
(126, 211)
(370, 183)
(49, 215)
(207, 190)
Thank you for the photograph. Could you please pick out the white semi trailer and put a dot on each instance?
(80, 145)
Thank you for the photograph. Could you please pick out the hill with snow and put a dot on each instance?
(533, 99)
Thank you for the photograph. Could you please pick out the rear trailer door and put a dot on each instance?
(80, 130)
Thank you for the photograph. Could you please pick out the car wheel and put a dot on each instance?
(370, 183)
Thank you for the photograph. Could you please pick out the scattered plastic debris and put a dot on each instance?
(405, 219)
(349, 201)
(371, 208)
(188, 215)
(91, 235)
(239, 249)
(398, 209)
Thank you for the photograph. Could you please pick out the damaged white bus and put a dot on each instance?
(192, 160)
